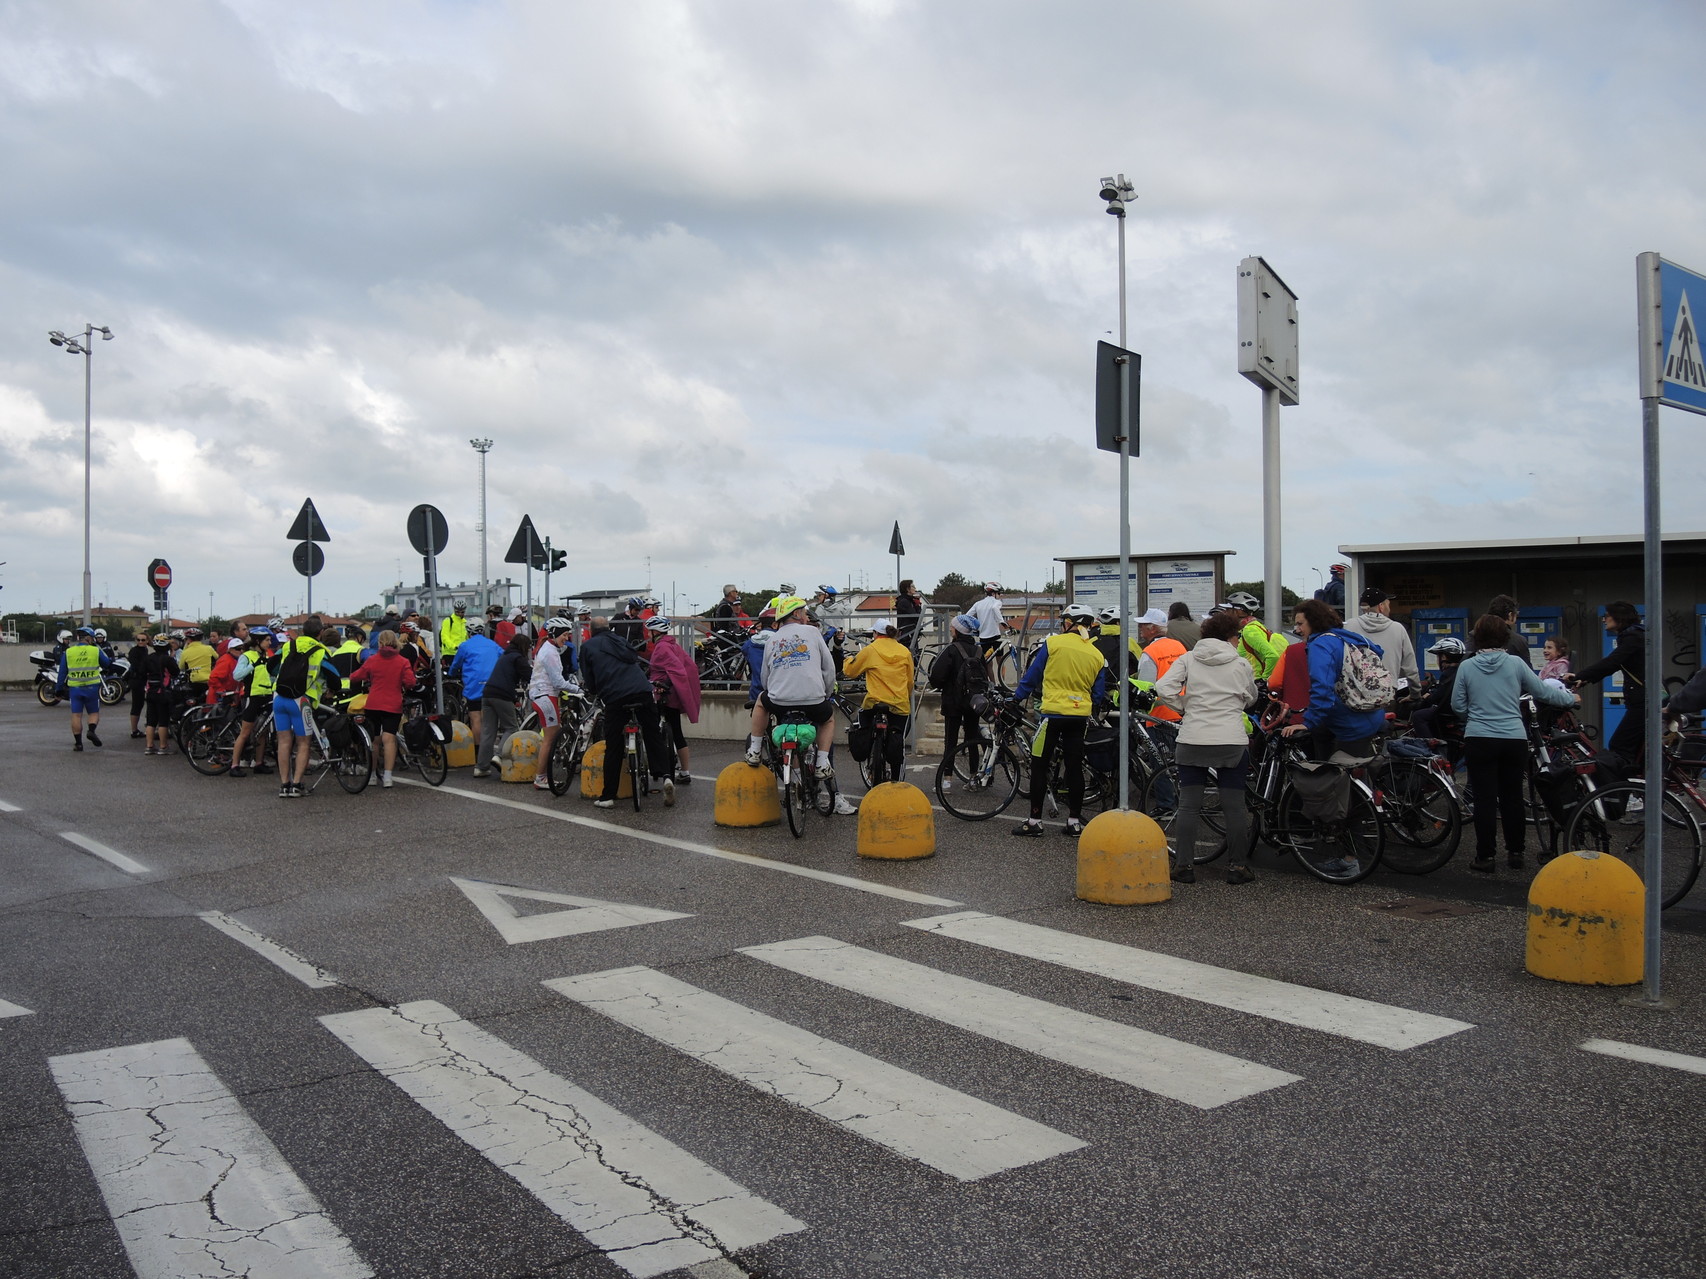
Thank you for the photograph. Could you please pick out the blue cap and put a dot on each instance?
(967, 623)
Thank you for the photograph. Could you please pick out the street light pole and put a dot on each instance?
(86, 348)
(1118, 193)
(482, 447)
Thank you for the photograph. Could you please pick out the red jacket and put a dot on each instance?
(387, 673)
(219, 678)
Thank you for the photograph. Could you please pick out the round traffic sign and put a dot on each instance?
(308, 558)
(428, 532)
(160, 575)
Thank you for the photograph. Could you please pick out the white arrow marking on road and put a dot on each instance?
(110, 855)
(307, 973)
(9, 808)
(9, 1009)
(194, 1187)
(1651, 1056)
(587, 914)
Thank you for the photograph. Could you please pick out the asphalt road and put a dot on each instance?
(1033, 1086)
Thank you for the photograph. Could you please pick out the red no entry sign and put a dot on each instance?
(160, 574)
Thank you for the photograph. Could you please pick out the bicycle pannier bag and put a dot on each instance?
(1364, 684)
(338, 731)
(1323, 790)
(1102, 750)
(859, 739)
(417, 733)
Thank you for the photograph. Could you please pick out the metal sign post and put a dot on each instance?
(307, 558)
(429, 534)
(1673, 372)
(524, 549)
(1118, 393)
(1267, 355)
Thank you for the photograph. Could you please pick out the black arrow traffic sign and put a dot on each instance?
(896, 546)
(428, 532)
(307, 527)
(308, 558)
(525, 547)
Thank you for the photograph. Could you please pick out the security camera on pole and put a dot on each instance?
(1267, 355)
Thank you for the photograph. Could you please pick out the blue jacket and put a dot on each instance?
(1487, 692)
(475, 657)
(753, 651)
(1326, 655)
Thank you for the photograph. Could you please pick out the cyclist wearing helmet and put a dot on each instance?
(80, 667)
(798, 675)
(546, 683)
(388, 677)
(160, 671)
(1333, 593)
(1107, 643)
(958, 675)
(453, 629)
(783, 592)
(299, 680)
(753, 651)
(473, 663)
(887, 666)
(1071, 675)
(138, 677)
(1433, 717)
(677, 677)
(614, 672)
(990, 623)
(414, 647)
(253, 674)
(629, 625)
(196, 659)
(1256, 643)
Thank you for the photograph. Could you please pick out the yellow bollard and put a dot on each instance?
(746, 796)
(592, 774)
(518, 757)
(896, 823)
(1122, 860)
(460, 752)
(1587, 921)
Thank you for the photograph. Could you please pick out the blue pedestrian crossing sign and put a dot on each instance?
(1673, 303)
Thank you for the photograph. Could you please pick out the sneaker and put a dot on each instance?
(385, 782)
(238, 772)
(1483, 865)
(826, 773)
(1341, 867)
(149, 751)
(136, 736)
(755, 757)
(76, 746)
(541, 782)
(1032, 828)
(945, 784)
(1073, 828)
(1513, 861)
(284, 791)
(1240, 875)
(604, 803)
(1182, 875)
(844, 806)
(94, 739)
(482, 772)
(683, 777)
(298, 791)
(668, 785)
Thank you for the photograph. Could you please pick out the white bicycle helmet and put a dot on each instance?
(1079, 614)
(1450, 646)
(1107, 616)
(1244, 600)
(558, 625)
(658, 624)
(476, 626)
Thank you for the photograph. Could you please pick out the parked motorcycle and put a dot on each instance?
(113, 683)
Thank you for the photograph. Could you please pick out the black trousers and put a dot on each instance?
(1496, 767)
(658, 754)
(1065, 734)
(887, 768)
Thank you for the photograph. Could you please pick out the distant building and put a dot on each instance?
(604, 601)
(400, 599)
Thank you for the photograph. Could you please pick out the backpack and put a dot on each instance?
(1364, 684)
(291, 679)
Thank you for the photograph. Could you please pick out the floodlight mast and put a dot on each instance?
(483, 447)
(85, 348)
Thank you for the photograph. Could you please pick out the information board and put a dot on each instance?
(1191, 581)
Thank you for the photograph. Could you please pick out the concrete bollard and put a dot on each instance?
(1587, 921)
(592, 774)
(746, 796)
(518, 756)
(460, 752)
(896, 823)
(1122, 860)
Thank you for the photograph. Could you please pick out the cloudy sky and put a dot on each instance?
(734, 284)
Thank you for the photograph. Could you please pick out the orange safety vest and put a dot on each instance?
(1163, 650)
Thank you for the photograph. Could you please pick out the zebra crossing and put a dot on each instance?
(195, 1187)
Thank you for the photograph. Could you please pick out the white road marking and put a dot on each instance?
(9, 808)
(589, 914)
(110, 855)
(687, 845)
(936, 1125)
(309, 974)
(1196, 1076)
(1651, 1056)
(9, 1009)
(1363, 1019)
(644, 1202)
(193, 1185)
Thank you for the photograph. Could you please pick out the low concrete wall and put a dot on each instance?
(15, 668)
(724, 717)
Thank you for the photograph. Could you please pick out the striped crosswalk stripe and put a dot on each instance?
(954, 1133)
(1651, 1056)
(1197, 1076)
(647, 1204)
(193, 1185)
(1346, 1015)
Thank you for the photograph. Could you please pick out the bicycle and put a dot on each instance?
(793, 742)
(582, 720)
(873, 769)
(338, 744)
(421, 744)
(634, 757)
(1419, 804)
(982, 777)
(208, 734)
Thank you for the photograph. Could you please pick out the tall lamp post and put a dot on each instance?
(1119, 193)
(83, 344)
(483, 447)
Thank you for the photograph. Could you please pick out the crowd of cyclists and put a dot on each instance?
(1211, 698)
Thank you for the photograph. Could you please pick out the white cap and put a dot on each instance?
(1154, 617)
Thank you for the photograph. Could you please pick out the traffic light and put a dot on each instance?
(559, 561)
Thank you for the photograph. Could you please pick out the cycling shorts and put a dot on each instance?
(818, 713)
(547, 708)
(287, 716)
(255, 707)
(86, 699)
(383, 721)
(987, 646)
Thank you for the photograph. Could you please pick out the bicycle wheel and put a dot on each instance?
(822, 792)
(1602, 823)
(1160, 801)
(1336, 852)
(354, 763)
(793, 792)
(433, 763)
(559, 766)
(1546, 826)
(1423, 818)
(979, 782)
(208, 745)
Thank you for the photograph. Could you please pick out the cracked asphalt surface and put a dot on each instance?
(1498, 1150)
